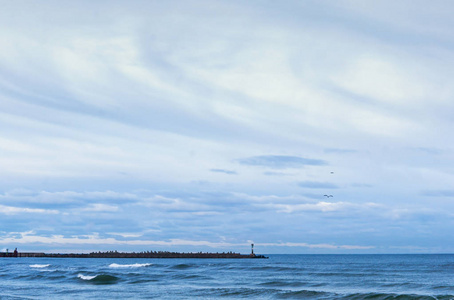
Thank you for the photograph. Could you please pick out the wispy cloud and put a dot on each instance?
(438, 193)
(318, 246)
(99, 207)
(270, 173)
(95, 239)
(361, 185)
(317, 185)
(11, 210)
(340, 151)
(229, 172)
(322, 206)
(429, 150)
(280, 161)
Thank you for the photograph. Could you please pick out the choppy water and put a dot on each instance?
(279, 277)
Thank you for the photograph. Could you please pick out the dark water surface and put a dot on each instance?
(279, 277)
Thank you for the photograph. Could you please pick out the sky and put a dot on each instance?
(299, 126)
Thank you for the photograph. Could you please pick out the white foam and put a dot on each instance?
(129, 266)
(86, 277)
(39, 266)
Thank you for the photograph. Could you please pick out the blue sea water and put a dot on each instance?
(279, 277)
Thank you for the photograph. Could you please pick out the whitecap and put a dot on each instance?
(39, 266)
(86, 277)
(129, 266)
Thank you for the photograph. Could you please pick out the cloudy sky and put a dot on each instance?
(209, 125)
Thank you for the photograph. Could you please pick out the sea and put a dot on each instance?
(428, 276)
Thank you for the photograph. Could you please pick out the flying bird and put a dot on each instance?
(328, 196)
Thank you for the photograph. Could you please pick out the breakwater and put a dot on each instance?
(145, 254)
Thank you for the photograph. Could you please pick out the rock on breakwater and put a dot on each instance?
(144, 254)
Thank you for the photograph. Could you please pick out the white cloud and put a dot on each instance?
(51, 197)
(321, 206)
(29, 238)
(95, 239)
(381, 80)
(318, 246)
(99, 207)
(11, 210)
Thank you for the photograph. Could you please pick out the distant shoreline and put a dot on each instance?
(149, 254)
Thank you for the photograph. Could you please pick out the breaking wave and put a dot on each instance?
(119, 266)
(39, 266)
(99, 279)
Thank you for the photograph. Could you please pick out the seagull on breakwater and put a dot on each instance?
(328, 196)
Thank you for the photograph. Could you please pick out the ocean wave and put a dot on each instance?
(276, 269)
(189, 276)
(86, 277)
(310, 294)
(39, 266)
(390, 296)
(99, 279)
(142, 281)
(118, 266)
(280, 283)
(182, 266)
(337, 274)
(443, 287)
(305, 294)
(234, 293)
